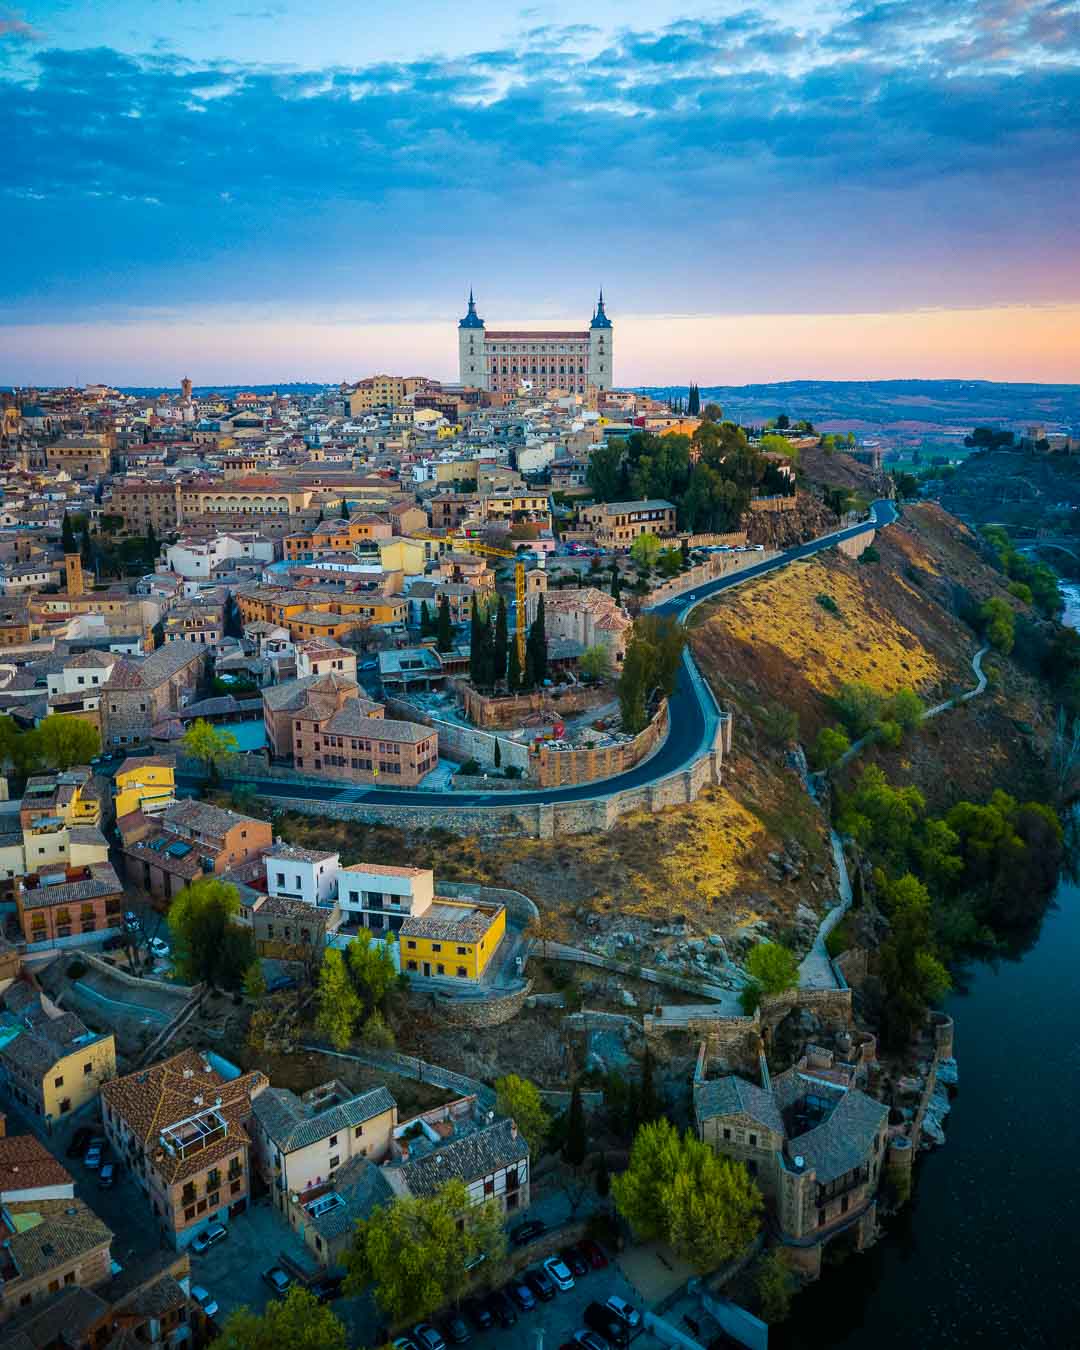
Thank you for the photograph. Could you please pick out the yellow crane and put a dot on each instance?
(489, 551)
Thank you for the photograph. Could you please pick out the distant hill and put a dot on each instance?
(205, 390)
(899, 411)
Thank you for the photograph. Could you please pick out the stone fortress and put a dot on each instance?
(505, 361)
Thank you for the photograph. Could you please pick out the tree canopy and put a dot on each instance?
(650, 665)
(208, 743)
(298, 1321)
(518, 1098)
(677, 1190)
(207, 944)
(339, 1005)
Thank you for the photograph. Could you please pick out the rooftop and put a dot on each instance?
(452, 921)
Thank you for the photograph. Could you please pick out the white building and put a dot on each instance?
(198, 558)
(304, 874)
(571, 361)
(378, 897)
(82, 673)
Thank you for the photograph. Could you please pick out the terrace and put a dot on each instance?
(194, 1133)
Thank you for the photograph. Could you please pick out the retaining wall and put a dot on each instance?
(519, 908)
(557, 768)
(490, 1011)
(856, 545)
(512, 709)
(464, 743)
(721, 565)
(408, 1066)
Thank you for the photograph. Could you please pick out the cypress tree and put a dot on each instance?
(427, 628)
(344, 509)
(536, 648)
(475, 644)
(693, 403)
(67, 535)
(444, 638)
(576, 1146)
(498, 752)
(501, 642)
(513, 675)
(616, 584)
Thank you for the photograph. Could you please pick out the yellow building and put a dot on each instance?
(52, 1063)
(69, 797)
(451, 939)
(377, 391)
(145, 784)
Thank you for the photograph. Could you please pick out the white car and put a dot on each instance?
(625, 1312)
(206, 1301)
(559, 1272)
(159, 947)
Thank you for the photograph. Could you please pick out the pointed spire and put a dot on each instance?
(471, 319)
(600, 319)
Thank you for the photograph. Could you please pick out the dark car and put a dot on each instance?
(478, 1313)
(456, 1330)
(527, 1231)
(542, 1285)
(427, 1337)
(601, 1319)
(576, 1260)
(501, 1309)
(593, 1253)
(327, 1287)
(521, 1295)
(590, 1340)
(80, 1141)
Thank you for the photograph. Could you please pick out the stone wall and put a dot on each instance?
(557, 768)
(489, 1011)
(857, 545)
(464, 743)
(519, 908)
(511, 710)
(719, 565)
(775, 503)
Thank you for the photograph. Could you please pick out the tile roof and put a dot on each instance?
(26, 1164)
(152, 1099)
(292, 1124)
(64, 1318)
(467, 1159)
(363, 1187)
(452, 922)
(844, 1140)
(154, 670)
(294, 853)
(293, 695)
(66, 1230)
(731, 1095)
(103, 881)
(352, 720)
(189, 815)
(387, 870)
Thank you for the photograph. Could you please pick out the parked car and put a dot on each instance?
(521, 1295)
(131, 920)
(92, 1157)
(559, 1271)
(159, 947)
(206, 1301)
(279, 1280)
(107, 1175)
(402, 1343)
(456, 1330)
(542, 1285)
(327, 1287)
(501, 1309)
(625, 1312)
(576, 1260)
(478, 1313)
(590, 1340)
(217, 1232)
(427, 1337)
(593, 1253)
(525, 1232)
(80, 1141)
(599, 1318)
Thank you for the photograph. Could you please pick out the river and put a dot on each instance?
(987, 1253)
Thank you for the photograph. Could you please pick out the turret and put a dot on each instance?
(472, 366)
(601, 344)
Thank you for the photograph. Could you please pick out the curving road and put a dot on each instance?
(694, 715)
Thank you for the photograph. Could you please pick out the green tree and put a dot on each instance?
(595, 663)
(210, 744)
(693, 401)
(208, 944)
(858, 706)
(415, 1253)
(299, 1321)
(670, 562)
(999, 624)
(518, 1098)
(428, 627)
(776, 1284)
(371, 966)
(905, 708)
(576, 1144)
(339, 1005)
(678, 1191)
(604, 471)
(712, 412)
(344, 509)
(645, 549)
(64, 741)
(376, 1032)
(780, 724)
(444, 637)
(773, 967)
(255, 981)
(513, 673)
(67, 536)
(500, 647)
(536, 648)
(616, 583)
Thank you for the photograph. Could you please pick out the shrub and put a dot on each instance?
(780, 724)
(858, 705)
(870, 555)
(831, 743)
(470, 766)
(889, 734)
(828, 604)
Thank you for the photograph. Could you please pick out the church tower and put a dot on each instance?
(601, 343)
(472, 365)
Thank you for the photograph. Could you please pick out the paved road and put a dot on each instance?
(693, 712)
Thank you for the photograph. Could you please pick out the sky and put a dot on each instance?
(264, 190)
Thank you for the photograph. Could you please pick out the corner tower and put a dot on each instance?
(472, 363)
(601, 344)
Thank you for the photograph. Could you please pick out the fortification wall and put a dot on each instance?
(558, 768)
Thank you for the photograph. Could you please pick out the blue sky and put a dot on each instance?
(308, 189)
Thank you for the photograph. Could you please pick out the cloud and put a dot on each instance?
(14, 28)
(911, 144)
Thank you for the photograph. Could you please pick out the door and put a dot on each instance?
(427, 967)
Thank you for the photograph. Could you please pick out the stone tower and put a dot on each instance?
(472, 367)
(601, 344)
(73, 574)
(185, 389)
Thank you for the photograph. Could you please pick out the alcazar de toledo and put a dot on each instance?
(504, 361)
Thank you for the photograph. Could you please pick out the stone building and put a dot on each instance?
(588, 617)
(50, 1061)
(188, 840)
(813, 1142)
(503, 361)
(283, 704)
(139, 694)
(179, 1127)
(617, 524)
(359, 746)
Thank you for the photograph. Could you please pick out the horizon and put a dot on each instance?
(817, 189)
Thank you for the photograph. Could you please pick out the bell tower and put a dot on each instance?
(472, 362)
(601, 344)
(73, 574)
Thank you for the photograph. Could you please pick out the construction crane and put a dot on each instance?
(489, 551)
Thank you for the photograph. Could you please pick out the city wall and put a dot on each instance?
(557, 768)
(464, 743)
(857, 545)
(721, 565)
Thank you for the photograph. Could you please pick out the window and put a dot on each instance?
(358, 1133)
(333, 1141)
(410, 965)
(189, 1213)
(727, 1132)
(235, 1188)
(463, 951)
(462, 973)
(281, 878)
(411, 946)
(335, 1161)
(88, 1068)
(58, 1082)
(753, 1141)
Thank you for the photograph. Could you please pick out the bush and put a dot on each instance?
(780, 724)
(470, 766)
(513, 771)
(859, 706)
(828, 604)
(870, 555)
(889, 734)
(831, 743)
(77, 969)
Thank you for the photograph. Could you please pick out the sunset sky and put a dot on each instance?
(290, 191)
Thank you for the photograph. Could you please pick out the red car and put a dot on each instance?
(593, 1253)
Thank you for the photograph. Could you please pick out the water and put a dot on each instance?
(249, 735)
(986, 1254)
